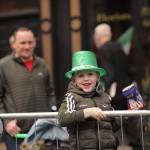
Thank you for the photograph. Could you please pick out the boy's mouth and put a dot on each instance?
(86, 84)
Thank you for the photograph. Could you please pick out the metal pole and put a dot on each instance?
(125, 113)
(29, 115)
(57, 135)
(142, 132)
(99, 138)
(35, 137)
(122, 133)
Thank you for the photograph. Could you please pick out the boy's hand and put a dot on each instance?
(138, 106)
(95, 113)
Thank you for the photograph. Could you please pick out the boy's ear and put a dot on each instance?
(98, 77)
(73, 79)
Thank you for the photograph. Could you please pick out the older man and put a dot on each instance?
(24, 85)
(114, 61)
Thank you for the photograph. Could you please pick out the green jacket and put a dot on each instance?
(21, 91)
(84, 132)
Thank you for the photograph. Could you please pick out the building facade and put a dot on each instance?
(63, 27)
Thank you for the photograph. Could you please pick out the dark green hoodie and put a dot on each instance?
(83, 133)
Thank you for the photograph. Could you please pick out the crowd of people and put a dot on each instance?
(25, 86)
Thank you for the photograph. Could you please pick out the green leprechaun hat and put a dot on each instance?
(84, 60)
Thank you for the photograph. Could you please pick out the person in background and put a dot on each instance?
(114, 61)
(25, 85)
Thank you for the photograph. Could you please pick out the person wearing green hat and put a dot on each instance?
(83, 106)
(84, 60)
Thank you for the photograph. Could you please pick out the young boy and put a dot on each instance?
(83, 106)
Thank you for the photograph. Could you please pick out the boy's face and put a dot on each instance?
(86, 80)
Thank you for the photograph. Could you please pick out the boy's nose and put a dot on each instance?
(85, 77)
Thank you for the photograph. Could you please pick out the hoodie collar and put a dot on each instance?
(72, 88)
(18, 59)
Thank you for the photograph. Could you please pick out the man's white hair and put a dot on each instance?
(103, 30)
(11, 39)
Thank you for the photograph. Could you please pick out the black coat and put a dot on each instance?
(115, 62)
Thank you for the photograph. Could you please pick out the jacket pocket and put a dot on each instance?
(108, 140)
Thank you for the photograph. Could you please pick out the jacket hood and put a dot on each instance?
(72, 88)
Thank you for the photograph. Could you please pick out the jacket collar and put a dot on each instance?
(18, 59)
(72, 88)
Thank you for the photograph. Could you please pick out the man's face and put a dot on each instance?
(100, 40)
(86, 80)
(24, 44)
(97, 41)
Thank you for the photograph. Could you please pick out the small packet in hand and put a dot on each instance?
(133, 96)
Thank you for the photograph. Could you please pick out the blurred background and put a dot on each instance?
(62, 27)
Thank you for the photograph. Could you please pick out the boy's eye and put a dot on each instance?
(80, 75)
(90, 74)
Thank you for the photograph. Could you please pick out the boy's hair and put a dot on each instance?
(22, 29)
(73, 78)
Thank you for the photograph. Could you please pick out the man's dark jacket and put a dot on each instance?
(114, 61)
